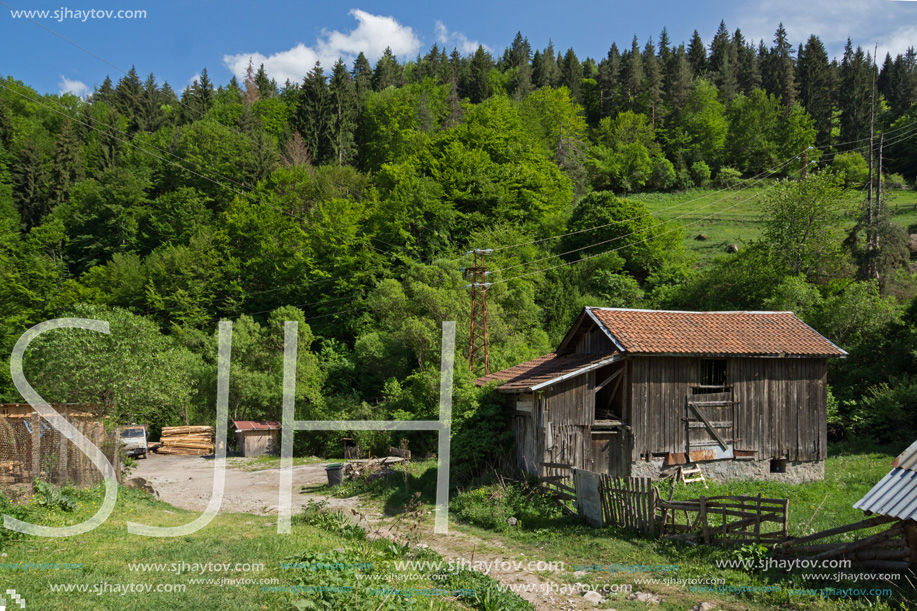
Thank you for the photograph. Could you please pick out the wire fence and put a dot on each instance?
(30, 449)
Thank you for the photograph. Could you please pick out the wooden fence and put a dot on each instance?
(887, 550)
(726, 520)
(629, 502)
(557, 479)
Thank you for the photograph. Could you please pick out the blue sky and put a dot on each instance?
(177, 39)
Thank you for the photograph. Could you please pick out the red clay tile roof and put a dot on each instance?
(252, 425)
(543, 369)
(745, 333)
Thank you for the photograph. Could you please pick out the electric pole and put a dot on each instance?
(477, 337)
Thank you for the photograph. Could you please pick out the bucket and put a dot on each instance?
(335, 473)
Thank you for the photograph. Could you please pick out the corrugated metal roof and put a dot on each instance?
(720, 333)
(907, 459)
(894, 496)
(252, 425)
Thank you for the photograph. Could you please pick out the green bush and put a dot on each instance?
(851, 167)
(728, 177)
(700, 173)
(492, 507)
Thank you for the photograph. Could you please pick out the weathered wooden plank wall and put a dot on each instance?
(780, 409)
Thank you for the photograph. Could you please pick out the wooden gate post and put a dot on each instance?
(703, 520)
(35, 420)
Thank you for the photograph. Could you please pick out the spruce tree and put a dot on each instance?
(476, 85)
(748, 73)
(344, 107)
(387, 72)
(697, 55)
(814, 78)
(854, 97)
(315, 115)
(609, 81)
(28, 176)
(67, 166)
(632, 76)
(572, 74)
(651, 90)
(778, 75)
(362, 75)
(679, 79)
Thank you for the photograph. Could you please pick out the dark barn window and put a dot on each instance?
(713, 372)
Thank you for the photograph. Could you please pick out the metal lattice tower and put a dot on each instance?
(477, 337)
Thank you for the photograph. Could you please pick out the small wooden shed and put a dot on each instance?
(633, 392)
(256, 438)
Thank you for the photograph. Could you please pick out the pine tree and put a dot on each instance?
(362, 75)
(609, 81)
(267, 87)
(67, 166)
(697, 55)
(814, 78)
(151, 115)
(344, 106)
(105, 93)
(127, 98)
(387, 72)
(665, 47)
(632, 76)
(778, 75)
(651, 90)
(854, 96)
(546, 73)
(476, 85)
(315, 115)
(748, 72)
(455, 102)
(519, 57)
(28, 177)
(572, 74)
(251, 94)
(6, 125)
(679, 79)
(722, 63)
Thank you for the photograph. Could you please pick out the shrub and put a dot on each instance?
(700, 173)
(728, 177)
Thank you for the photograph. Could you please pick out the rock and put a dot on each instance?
(593, 597)
(912, 242)
(732, 248)
(702, 237)
(512, 521)
(579, 573)
(138, 483)
(703, 607)
(645, 597)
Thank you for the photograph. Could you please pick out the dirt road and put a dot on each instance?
(187, 482)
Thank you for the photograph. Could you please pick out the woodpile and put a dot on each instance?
(187, 440)
(887, 550)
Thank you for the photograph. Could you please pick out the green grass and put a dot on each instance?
(106, 552)
(734, 216)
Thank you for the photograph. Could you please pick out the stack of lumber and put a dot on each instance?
(187, 440)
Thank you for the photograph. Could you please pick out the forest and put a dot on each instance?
(349, 201)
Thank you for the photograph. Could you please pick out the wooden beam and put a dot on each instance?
(710, 427)
(609, 379)
(868, 523)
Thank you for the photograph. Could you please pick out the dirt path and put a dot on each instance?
(187, 482)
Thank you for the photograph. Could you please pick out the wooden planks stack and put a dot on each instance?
(187, 440)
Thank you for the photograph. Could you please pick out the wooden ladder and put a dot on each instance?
(694, 474)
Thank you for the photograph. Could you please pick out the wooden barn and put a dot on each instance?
(256, 438)
(634, 392)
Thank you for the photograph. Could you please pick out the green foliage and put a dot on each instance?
(728, 177)
(49, 496)
(851, 167)
(804, 225)
(492, 506)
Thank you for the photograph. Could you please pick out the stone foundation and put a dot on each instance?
(729, 470)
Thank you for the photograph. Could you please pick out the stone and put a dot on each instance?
(645, 597)
(593, 597)
(579, 573)
(702, 237)
(732, 248)
(703, 607)
(512, 521)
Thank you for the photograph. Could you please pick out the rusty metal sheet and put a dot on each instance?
(675, 458)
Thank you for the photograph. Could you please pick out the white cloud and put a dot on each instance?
(371, 36)
(865, 22)
(457, 40)
(77, 88)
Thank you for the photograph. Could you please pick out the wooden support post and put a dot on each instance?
(36, 445)
(703, 520)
